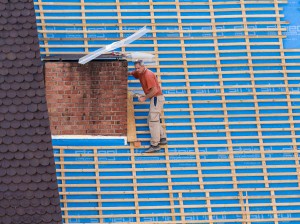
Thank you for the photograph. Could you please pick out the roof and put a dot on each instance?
(28, 186)
(231, 114)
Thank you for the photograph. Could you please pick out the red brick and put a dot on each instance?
(87, 99)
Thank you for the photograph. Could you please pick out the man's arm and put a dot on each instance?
(133, 73)
(152, 93)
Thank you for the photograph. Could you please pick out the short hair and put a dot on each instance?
(140, 62)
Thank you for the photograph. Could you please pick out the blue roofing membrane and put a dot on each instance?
(207, 106)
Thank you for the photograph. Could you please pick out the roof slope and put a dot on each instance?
(28, 186)
(232, 113)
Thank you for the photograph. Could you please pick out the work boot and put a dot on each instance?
(163, 141)
(152, 149)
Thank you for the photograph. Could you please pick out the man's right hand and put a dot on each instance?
(137, 95)
(142, 98)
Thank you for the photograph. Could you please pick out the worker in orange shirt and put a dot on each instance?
(153, 92)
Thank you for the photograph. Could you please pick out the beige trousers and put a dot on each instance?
(156, 131)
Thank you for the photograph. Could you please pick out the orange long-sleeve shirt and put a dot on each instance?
(148, 80)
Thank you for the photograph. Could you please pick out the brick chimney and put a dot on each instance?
(88, 99)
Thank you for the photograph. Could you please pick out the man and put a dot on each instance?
(153, 92)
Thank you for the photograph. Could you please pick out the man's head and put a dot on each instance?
(139, 66)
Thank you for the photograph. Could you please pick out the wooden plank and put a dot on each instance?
(288, 93)
(190, 206)
(177, 176)
(158, 74)
(218, 109)
(168, 24)
(284, 189)
(178, 38)
(63, 187)
(267, 88)
(156, 17)
(97, 178)
(209, 208)
(131, 127)
(177, 31)
(120, 23)
(274, 206)
(248, 115)
(184, 146)
(180, 197)
(230, 101)
(251, 159)
(162, 52)
(44, 27)
(210, 91)
(187, 81)
(224, 66)
(158, 38)
(257, 2)
(223, 101)
(241, 130)
(84, 30)
(186, 161)
(175, 184)
(256, 106)
(135, 185)
(240, 197)
(154, 10)
(228, 138)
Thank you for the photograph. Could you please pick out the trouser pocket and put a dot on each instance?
(154, 117)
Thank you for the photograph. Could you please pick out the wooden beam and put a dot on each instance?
(131, 127)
